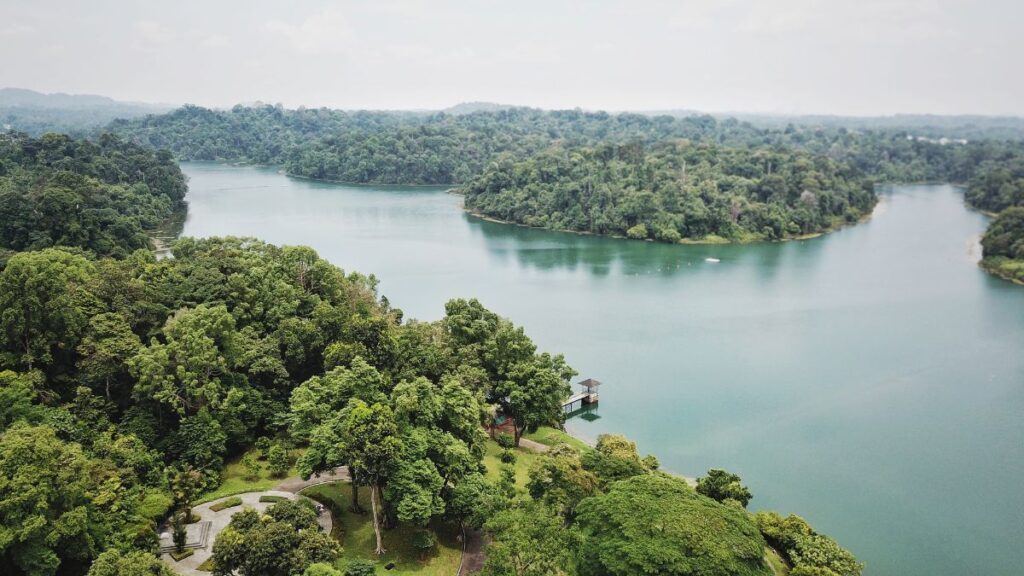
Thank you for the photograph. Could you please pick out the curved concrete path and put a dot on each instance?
(219, 520)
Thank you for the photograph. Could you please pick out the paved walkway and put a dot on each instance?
(218, 521)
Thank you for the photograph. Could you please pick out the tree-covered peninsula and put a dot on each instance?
(673, 190)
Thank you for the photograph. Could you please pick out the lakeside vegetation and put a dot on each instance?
(132, 389)
(615, 174)
(100, 196)
(673, 190)
(126, 383)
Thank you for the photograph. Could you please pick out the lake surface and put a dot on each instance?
(871, 381)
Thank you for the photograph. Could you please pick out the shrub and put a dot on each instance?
(270, 498)
(229, 503)
(638, 232)
(360, 568)
(505, 441)
(278, 461)
(508, 456)
(252, 466)
(263, 445)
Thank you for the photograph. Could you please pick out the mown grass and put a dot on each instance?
(235, 481)
(552, 436)
(229, 503)
(524, 458)
(359, 540)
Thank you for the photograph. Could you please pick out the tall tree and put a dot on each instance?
(370, 443)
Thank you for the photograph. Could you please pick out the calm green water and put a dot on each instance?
(871, 381)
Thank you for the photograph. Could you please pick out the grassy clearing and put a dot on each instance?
(552, 437)
(235, 481)
(524, 458)
(776, 562)
(359, 539)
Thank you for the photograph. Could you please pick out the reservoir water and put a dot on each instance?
(871, 380)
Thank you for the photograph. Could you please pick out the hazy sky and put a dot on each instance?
(792, 56)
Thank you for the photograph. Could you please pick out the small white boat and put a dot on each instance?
(712, 260)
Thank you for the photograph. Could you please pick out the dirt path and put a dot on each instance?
(473, 558)
(533, 446)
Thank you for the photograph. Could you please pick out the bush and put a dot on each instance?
(423, 540)
(263, 445)
(270, 498)
(505, 441)
(278, 461)
(721, 485)
(224, 504)
(360, 568)
(252, 466)
(508, 456)
(638, 232)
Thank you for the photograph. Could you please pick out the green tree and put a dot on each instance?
(52, 513)
(252, 466)
(113, 562)
(559, 480)
(193, 367)
(104, 352)
(528, 540)
(45, 304)
(285, 541)
(650, 524)
(721, 486)
(278, 460)
(370, 443)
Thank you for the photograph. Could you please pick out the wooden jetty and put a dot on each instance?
(587, 395)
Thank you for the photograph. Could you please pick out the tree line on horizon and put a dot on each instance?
(480, 151)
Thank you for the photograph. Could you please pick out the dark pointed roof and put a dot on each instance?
(590, 383)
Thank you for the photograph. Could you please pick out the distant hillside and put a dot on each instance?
(35, 113)
(472, 107)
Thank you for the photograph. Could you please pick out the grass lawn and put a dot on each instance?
(552, 436)
(235, 481)
(776, 562)
(524, 458)
(359, 539)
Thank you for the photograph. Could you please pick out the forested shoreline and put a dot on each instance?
(612, 174)
(127, 383)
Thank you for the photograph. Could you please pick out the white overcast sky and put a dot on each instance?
(785, 56)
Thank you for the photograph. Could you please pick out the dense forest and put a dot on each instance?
(99, 196)
(673, 190)
(127, 383)
(743, 181)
